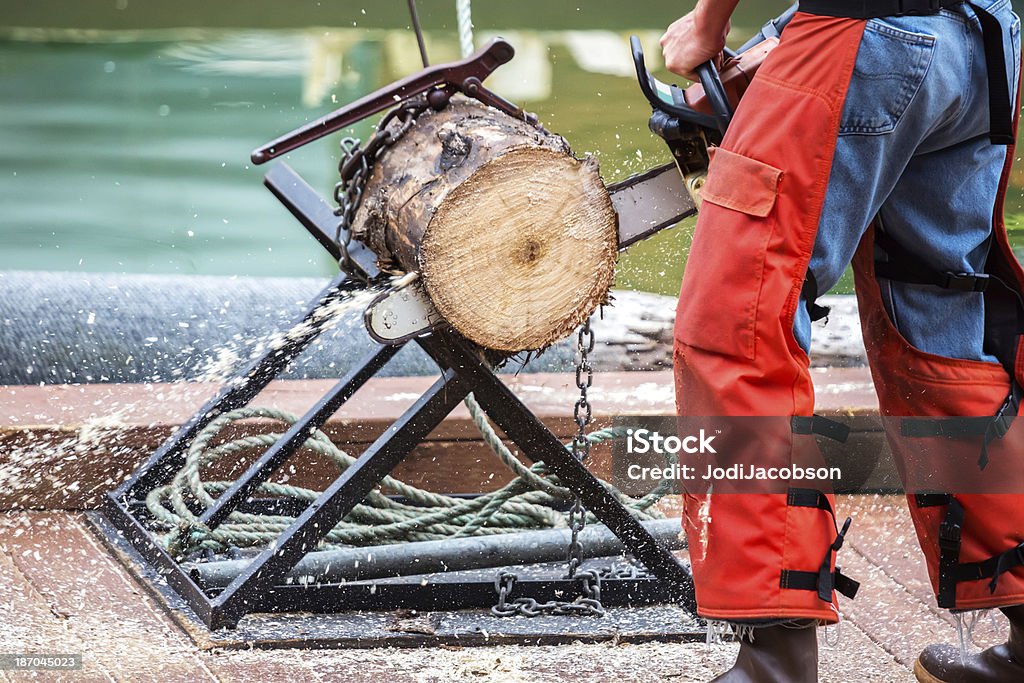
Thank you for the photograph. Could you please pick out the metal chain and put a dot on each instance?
(354, 169)
(587, 604)
(582, 412)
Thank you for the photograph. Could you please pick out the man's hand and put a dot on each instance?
(697, 37)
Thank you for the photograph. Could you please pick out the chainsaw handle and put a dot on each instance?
(465, 74)
(671, 101)
(715, 91)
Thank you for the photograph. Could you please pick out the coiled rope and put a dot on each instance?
(530, 501)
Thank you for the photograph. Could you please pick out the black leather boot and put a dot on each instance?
(784, 653)
(1000, 664)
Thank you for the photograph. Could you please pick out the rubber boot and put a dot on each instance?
(999, 664)
(786, 652)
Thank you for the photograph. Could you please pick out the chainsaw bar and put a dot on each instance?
(649, 202)
(401, 313)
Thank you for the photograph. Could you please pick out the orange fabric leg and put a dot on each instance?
(735, 353)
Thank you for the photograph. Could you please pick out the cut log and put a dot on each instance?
(514, 237)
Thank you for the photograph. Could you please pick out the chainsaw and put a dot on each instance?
(689, 121)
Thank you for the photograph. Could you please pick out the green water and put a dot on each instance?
(125, 126)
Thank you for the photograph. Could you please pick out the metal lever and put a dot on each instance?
(441, 82)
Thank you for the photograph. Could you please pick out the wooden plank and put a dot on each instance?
(839, 390)
(116, 621)
(888, 613)
(264, 665)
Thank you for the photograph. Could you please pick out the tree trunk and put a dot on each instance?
(515, 238)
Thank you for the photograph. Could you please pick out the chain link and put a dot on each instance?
(623, 570)
(582, 412)
(354, 169)
(587, 604)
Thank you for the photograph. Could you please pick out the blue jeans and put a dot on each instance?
(913, 151)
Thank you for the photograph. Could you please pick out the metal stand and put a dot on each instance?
(465, 369)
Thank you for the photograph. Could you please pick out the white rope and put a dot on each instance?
(464, 13)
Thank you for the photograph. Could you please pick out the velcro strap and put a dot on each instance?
(1000, 105)
(811, 581)
(872, 9)
(818, 312)
(824, 573)
(837, 544)
(810, 295)
(917, 274)
(992, 568)
(949, 553)
(988, 428)
(822, 426)
(845, 585)
(1001, 423)
(965, 282)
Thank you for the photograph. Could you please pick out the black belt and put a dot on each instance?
(1000, 106)
(874, 9)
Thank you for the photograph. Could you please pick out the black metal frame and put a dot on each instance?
(465, 369)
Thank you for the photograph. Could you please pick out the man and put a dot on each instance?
(878, 132)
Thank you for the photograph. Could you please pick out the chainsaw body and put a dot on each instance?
(691, 120)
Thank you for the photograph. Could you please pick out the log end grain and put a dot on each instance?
(519, 254)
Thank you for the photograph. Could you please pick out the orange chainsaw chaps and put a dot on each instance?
(735, 353)
(942, 470)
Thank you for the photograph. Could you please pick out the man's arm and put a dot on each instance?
(697, 37)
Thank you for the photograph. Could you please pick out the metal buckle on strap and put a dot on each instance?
(966, 282)
(949, 536)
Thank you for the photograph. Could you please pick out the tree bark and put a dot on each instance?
(514, 237)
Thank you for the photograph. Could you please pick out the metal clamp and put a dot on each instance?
(439, 83)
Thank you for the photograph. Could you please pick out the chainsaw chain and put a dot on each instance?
(354, 169)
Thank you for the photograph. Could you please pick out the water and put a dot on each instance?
(125, 128)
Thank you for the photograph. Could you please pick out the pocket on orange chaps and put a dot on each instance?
(739, 196)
